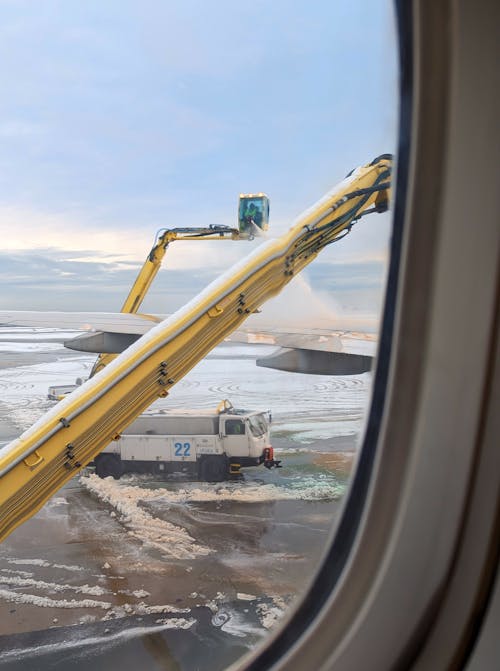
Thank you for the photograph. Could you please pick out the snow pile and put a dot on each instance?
(321, 487)
(270, 614)
(14, 581)
(167, 538)
(68, 568)
(29, 562)
(253, 493)
(143, 609)
(46, 602)
(37, 562)
(17, 572)
(176, 623)
(126, 609)
(245, 597)
(113, 611)
(138, 593)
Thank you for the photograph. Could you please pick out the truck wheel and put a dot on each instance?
(109, 464)
(213, 469)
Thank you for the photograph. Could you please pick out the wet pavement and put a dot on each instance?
(157, 573)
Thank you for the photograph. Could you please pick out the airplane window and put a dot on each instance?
(145, 274)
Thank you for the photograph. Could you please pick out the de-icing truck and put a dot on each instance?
(207, 445)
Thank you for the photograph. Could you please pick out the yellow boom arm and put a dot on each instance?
(153, 262)
(152, 265)
(70, 435)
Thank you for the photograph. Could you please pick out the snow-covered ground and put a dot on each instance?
(305, 408)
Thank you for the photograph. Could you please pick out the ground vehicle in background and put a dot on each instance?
(208, 445)
(60, 391)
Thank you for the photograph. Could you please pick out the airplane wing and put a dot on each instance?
(305, 350)
(106, 332)
(313, 351)
(110, 322)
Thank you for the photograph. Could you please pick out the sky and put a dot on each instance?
(121, 118)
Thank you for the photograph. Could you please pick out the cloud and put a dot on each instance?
(24, 229)
(52, 279)
(47, 280)
(81, 236)
(119, 119)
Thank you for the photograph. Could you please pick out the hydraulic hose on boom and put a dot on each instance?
(47, 455)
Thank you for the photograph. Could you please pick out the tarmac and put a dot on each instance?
(165, 570)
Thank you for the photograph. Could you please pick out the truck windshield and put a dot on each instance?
(258, 424)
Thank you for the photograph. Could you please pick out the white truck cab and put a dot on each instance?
(209, 445)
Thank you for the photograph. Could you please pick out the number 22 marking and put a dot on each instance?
(179, 447)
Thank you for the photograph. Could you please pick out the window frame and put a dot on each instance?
(396, 578)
